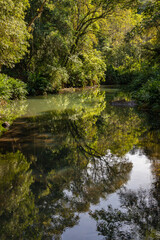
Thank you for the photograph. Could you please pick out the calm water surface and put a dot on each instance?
(75, 167)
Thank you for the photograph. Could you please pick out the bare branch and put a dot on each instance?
(39, 12)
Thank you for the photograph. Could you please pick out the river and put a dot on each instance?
(73, 167)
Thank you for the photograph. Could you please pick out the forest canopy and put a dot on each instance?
(52, 44)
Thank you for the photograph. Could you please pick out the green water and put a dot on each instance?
(75, 167)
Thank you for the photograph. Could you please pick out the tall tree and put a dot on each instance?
(64, 45)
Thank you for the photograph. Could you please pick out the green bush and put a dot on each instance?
(144, 87)
(118, 76)
(111, 76)
(87, 69)
(148, 95)
(58, 77)
(38, 84)
(11, 88)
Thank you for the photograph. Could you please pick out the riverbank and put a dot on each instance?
(76, 89)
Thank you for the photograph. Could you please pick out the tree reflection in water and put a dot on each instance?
(17, 208)
(139, 214)
(71, 166)
(138, 217)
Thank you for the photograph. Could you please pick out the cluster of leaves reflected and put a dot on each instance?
(72, 167)
(151, 137)
(17, 208)
(139, 213)
(138, 217)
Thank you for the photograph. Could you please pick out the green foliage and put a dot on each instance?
(14, 169)
(37, 84)
(13, 31)
(119, 76)
(144, 87)
(66, 138)
(9, 111)
(137, 217)
(144, 69)
(59, 77)
(111, 75)
(74, 160)
(17, 209)
(148, 95)
(120, 56)
(74, 41)
(67, 54)
(11, 88)
(87, 69)
(65, 42)
(147, 32)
